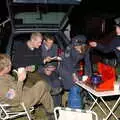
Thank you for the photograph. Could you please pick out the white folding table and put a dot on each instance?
(100, 95)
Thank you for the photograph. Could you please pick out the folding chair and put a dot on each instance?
(6, 114)
(62, 113)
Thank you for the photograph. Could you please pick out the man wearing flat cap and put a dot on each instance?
(113, 46)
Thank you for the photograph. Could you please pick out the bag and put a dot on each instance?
(108, 76)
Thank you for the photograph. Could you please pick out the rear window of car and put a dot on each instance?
(39, 15)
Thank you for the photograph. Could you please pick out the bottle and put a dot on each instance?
(81, 70)
(75, 100)
(36, 67)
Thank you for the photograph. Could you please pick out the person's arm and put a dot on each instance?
(103, 48)
(15, 90)
(19, 89)
(88, 66)
(21, 77)
(47, 59)
(55, 50)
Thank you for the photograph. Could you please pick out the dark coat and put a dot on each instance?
(24, 56)
(111, 47)
(68, 65)
(49, 52)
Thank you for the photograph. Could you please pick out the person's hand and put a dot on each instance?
(118, 48)
(30, 68)
(47, 59)
(21, 74)
(56, 58)
(93, 44)
(75, 77)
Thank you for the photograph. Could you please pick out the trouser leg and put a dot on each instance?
(39, 93)
(54, 82)
(57, 100)
(33, 78)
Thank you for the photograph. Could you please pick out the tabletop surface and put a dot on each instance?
(98, 93)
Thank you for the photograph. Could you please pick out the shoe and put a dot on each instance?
(50, 116)
(55, 91)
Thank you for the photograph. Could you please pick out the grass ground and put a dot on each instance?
(39, 113)
(110, 102)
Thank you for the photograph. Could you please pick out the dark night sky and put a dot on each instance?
(87, 5)
(3, 10)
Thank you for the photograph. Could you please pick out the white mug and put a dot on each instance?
(116, 86)
(21, 69)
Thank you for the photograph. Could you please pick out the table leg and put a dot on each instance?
(95, 102)
(111, 110)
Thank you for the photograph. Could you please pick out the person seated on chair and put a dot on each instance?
(13, 92)
(49, 48)
(28, 54)
(48, 71)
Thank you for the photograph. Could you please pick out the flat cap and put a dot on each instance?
(79, 40)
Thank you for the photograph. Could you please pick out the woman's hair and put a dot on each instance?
(4, 61)
(82, 48)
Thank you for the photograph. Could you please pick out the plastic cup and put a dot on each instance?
(116, 86)
(21, 70)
